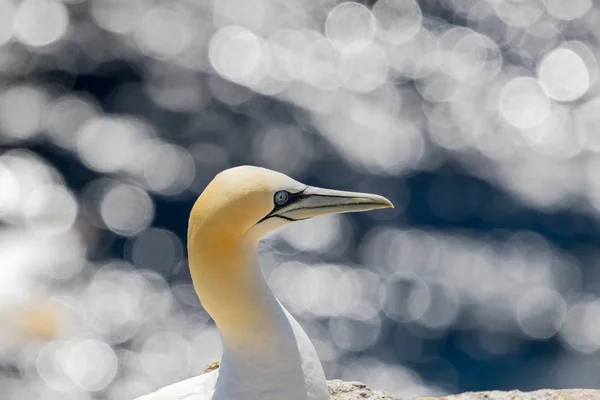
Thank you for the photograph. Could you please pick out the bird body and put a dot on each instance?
(266, 353)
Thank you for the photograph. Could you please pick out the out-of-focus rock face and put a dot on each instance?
(341, 390)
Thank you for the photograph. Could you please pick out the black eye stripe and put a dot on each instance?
(292, 197)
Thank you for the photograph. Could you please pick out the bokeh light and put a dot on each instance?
(477, 118)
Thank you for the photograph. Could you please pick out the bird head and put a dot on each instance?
(250, 202)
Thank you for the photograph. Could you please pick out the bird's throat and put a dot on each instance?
(231, 286)
(265, 351)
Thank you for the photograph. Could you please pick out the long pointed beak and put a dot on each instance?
(313, 202)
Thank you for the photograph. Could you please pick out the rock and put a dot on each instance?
(211, 367)
(341, 390)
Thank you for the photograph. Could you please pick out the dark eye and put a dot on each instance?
(281, 197)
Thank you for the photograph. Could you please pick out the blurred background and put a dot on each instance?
(479, 119)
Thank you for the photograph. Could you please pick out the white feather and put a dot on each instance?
(287, 367)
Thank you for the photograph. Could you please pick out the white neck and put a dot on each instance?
(266, 354)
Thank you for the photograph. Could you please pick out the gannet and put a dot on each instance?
(266, 354)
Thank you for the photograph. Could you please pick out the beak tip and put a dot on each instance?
(382, 202)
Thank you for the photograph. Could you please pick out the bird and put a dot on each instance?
(266, 353)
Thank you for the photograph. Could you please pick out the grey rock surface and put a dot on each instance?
(341, 390)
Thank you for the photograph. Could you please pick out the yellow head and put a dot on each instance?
(248, 202)
(235, 210)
